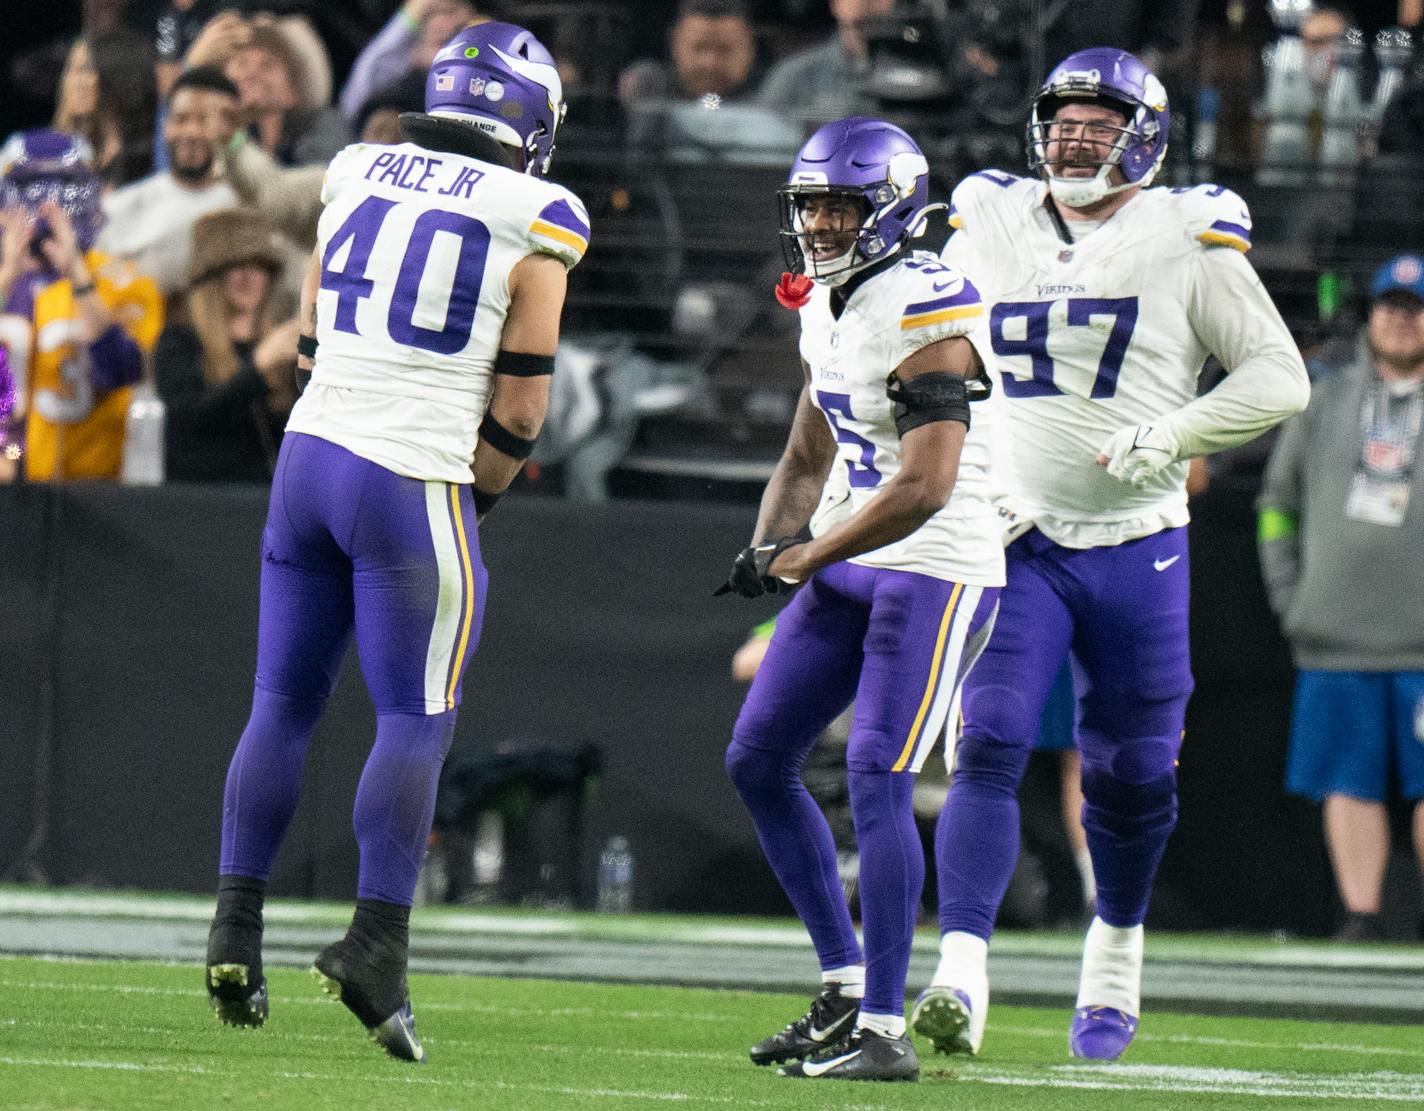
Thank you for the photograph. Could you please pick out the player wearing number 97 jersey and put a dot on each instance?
(901, 576)
(1105, 298)
(435, 293)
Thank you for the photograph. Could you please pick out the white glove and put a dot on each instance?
(1133, 455)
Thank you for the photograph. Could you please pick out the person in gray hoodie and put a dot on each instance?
(1341, 539)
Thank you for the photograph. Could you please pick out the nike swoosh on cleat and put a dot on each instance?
(821, 1035)
(1163, 564)
(812, 1068)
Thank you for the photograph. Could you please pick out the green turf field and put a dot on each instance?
(116, 1035)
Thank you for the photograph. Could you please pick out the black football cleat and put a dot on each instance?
(865, 1055)
(237, 989)
(370, 981)
(829, 1021)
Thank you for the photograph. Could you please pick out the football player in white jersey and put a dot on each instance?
(901, 576)
(436, 291)
(1105, 299)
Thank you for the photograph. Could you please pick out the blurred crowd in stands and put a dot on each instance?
(160, 195)
(683, 116)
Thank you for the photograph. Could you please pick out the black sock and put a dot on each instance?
(385, 924)
(240, 900)
(236, 934)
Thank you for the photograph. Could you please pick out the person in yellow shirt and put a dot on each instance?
(94, 320)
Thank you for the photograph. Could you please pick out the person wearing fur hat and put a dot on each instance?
(281, 109)
(226, 371)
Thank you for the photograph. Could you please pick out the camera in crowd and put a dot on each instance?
(954, 75)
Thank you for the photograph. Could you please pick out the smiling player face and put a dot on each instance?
(829, 226)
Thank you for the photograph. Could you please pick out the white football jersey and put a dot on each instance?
(887, 318)
(416, 248)
(1103, 333)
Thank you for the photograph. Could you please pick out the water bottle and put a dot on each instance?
(615, 876)
(143, 438)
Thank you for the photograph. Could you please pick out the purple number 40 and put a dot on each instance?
(1081, 311)
(351, 285)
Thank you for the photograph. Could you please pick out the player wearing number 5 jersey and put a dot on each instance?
(436, 291)
(901, 575)
(1105, 299)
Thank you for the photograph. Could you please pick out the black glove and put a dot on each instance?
(749, 577)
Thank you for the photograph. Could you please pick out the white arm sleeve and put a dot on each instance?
(1236, 320)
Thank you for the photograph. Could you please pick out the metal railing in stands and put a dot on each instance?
(685, 254)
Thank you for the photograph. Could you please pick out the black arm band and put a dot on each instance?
(484, 502)
(927, 398)
(306, 345)
(519, 365)
(503, 440)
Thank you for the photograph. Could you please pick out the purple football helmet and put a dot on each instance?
(871, 162)
(1113, 78)
(44, 165)
(499, 78)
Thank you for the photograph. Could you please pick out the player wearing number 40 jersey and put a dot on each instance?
(436, 291)
(1105, 299)
(901, 576)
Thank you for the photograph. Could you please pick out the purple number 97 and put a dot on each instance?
(351, 285)
(1081, 311)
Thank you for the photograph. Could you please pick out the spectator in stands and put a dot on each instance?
(176, 29)
(107, 95)
(227, 373)
(268, 75)
(95, 319)
(712, 48)
(823, 83)
(379, 118)
(1342, 550)
(1402, 126)
(281, 105)
(1321, 33)
(149, 221)
(406, 44)
(1153, 31)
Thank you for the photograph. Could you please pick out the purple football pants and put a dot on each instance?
(1122, 611)
(350, 546)
(898, 644)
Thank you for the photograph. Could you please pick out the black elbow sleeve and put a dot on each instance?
(520, 365)
(503, 440)
(931, 397)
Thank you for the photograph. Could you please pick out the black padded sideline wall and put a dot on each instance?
(129, 635)
(132, 618)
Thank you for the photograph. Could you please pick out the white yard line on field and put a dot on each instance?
(1057, 1034)
(1391, 1087)
(422, 1081)
(321, 1001)
(1246, 952)
(1047, 1033)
